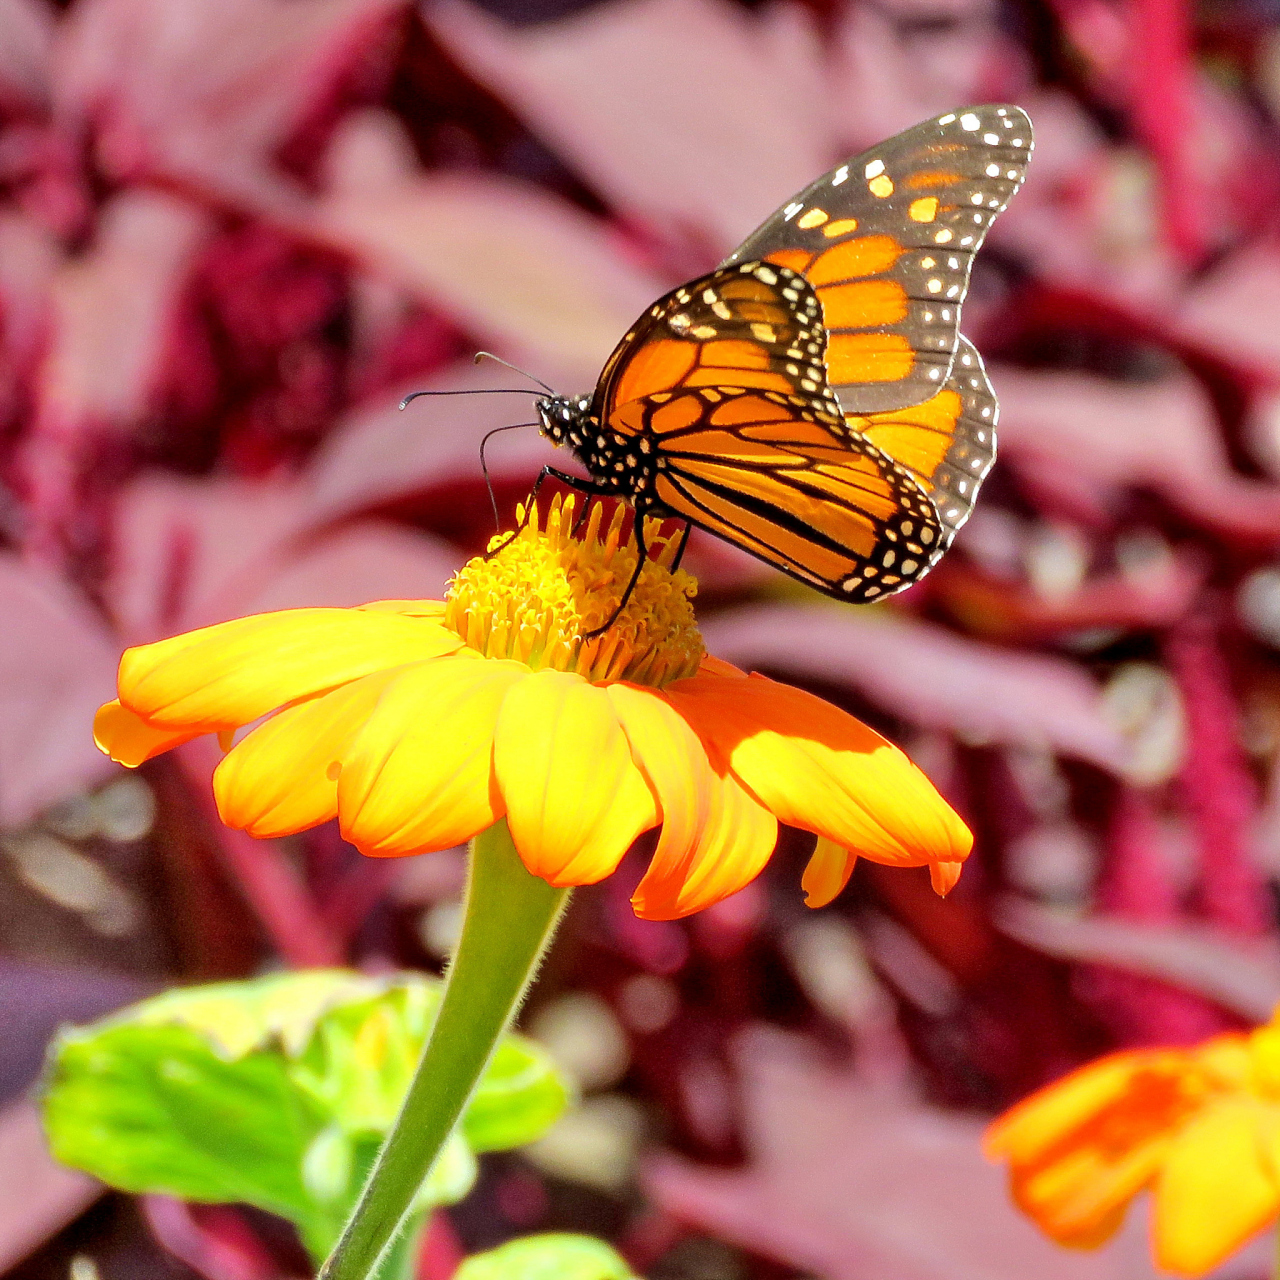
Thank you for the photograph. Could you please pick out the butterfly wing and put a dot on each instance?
(948, 443)
(750, 325)
(831, 510)
(859, 514)
(887, 240)
(723, 381)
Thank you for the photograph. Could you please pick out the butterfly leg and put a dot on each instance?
(642, 554)
(684, 542)
(547, 473)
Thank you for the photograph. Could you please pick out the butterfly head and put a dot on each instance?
(565, 420)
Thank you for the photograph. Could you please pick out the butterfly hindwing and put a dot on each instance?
(948, 443)
(887, 240)
(822, 504)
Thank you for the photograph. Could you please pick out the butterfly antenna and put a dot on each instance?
(475, 391)
(484, 467)
(488, 355)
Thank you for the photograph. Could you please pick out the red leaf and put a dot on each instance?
(57, 664)
(928, 676)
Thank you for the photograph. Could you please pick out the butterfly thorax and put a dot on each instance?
(617, 463)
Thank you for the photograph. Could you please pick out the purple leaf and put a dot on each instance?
(661, 106)
(382, 454)
(853, 1182)
(509, 263)
(1085, 441)
(37, 1197)
(1235, 310)
(57, 664)
(927, 675)
(190, 553)
(25, 56)
(1243, 977)
(208, 95)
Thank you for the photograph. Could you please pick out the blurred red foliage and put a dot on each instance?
(232, 236)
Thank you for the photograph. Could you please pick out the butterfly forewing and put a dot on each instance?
(887, 240)
(750, 325)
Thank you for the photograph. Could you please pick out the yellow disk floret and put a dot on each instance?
(542, 590)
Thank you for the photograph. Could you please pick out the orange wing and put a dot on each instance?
(887, 240)
(724, 381)
(948, 443)
(751, 325)
(823, 505)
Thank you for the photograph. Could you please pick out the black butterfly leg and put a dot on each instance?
(684, 542)
(582, 515)
(641, 556)
(547, 473)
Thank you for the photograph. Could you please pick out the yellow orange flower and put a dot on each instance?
(1199, 1127)
(420, 723)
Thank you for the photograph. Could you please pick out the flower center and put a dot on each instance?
(536, 596)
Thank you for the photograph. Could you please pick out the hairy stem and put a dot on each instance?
(510, 918)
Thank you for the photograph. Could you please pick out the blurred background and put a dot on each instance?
(234, 234)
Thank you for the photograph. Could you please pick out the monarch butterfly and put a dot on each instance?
(812, 399)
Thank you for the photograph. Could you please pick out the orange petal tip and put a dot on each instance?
(943, 876)
(129, 739)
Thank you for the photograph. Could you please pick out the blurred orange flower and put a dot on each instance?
(1199, 1127)
(419, 723)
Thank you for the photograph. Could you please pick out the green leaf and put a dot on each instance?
(283, 1009)
(148, 1108)
(277, 1092)
(519, 1098)
(554, 1256)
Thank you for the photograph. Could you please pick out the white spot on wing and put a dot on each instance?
(970, 123)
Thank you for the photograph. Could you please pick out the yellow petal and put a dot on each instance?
(574, 798)
(735, 843)
(673, 760)
(283, 777)
(231, 674)
(1214, 1192)
(409, 608)
(1263, 1051)
(1051, 1115)
(129, 740)
(1080, 1198)
(1229, 1061)
(419, 775)
(820, 769)
(827, 872)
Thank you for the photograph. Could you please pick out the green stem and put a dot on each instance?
(510, 918)
(400, 1261)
